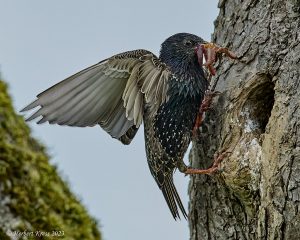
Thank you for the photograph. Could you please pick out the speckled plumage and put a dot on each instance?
(122, 91)
(168, 131)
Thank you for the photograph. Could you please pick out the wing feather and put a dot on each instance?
(59, 111)
(138, 110)
(130, 104)
(110, 93)
(72, 111)
(152, 86)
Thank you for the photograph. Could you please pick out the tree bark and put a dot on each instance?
(256, 194)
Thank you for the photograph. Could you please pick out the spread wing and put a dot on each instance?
(110, 93)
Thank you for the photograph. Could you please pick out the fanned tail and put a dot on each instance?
(172, 198)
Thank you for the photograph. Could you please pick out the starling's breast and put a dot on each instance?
(175, 119)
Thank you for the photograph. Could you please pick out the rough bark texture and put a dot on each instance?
(34, 202)
(257, 118)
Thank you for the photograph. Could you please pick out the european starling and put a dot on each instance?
(121, 92)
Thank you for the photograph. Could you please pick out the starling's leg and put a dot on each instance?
(181, 166)
(217, 160)
(205, 105)
(208, 97)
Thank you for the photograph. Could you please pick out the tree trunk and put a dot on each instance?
(256, 194)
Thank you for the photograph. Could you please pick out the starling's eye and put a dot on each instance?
(188, 43)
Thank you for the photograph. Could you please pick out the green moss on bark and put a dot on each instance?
(32, 195)
(3, 235)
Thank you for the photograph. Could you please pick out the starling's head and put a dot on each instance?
(180, 49)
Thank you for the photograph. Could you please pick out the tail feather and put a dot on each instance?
(170, 201)
(178, 200)
(172, 198)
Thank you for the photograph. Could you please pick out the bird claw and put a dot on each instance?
(218, 158)
(206, 103)
(205, 106)
(211, 52)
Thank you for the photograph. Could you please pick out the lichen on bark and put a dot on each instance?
(256, 194)
(33, 197)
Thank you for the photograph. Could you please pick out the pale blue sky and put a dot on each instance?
(43, 42)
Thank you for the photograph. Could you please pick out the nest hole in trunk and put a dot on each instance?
(258, 106)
